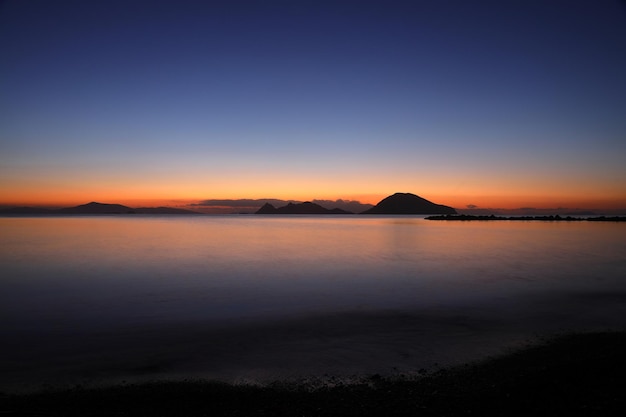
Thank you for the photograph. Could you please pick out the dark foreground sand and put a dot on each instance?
(578, 374)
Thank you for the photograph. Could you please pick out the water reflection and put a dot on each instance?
(144, 278)
(232, 266)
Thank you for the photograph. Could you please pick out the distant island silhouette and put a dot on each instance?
(97, 208)
(251, 206)
(407, 203)
(301, 208)
(557, 218)
(398, 203)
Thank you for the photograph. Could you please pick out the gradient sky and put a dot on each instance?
(490, 103)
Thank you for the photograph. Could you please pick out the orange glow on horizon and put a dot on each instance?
(51, 191)
(135, 199)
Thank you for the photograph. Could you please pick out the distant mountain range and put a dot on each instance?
(398, 203)
(97, 208)
(250, 206)
(300, 208)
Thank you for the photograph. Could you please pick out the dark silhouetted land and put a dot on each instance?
(26, 210)
(96, 208)
(407, 203)
(301, 208)
(556, 218)
(575, 375)
(398, 203)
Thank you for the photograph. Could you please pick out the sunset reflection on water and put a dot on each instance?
(74, 279)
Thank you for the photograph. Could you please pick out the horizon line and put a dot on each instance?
(212, 208)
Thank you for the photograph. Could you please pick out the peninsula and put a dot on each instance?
(557, 218)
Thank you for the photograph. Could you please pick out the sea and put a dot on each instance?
(93, 300)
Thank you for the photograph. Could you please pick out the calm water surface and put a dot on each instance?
(253, 297)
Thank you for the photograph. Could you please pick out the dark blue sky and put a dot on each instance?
(478, 102)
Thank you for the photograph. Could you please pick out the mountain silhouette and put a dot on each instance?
(302, 208)
(97, 208)
(247, 205)
(407, 203)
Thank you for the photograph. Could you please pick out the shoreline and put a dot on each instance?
(550, 218)
(346, 345)
(577, 373)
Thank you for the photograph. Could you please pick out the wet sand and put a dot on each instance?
(577, 374)
(343, 345)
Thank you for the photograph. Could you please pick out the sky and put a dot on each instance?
(484, 103)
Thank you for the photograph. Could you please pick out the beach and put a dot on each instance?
(574, 374)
